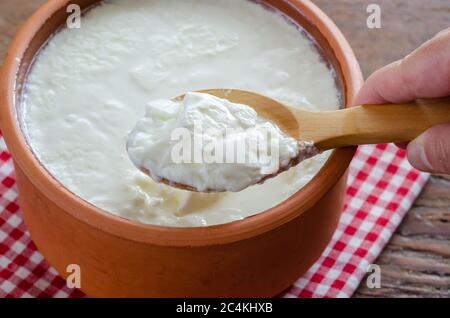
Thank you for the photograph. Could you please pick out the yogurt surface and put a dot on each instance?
(89, 87)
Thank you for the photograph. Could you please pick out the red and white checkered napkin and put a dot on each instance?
(382, 187)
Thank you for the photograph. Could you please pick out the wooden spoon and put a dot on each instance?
(366, 124)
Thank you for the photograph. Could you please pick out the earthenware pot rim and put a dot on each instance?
(293, 207)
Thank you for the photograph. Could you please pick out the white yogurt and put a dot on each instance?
(209, 144)
(89, 86)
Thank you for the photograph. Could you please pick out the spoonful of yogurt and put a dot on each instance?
(227, 140)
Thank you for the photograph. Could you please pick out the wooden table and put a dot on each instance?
(416, 262)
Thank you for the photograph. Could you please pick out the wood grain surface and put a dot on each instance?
(416, 263)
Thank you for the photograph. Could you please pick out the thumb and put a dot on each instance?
(430, 152)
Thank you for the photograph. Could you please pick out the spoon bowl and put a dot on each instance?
(266, 107)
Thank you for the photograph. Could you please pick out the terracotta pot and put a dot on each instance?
(259, 256)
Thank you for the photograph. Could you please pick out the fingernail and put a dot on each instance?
(417, 154)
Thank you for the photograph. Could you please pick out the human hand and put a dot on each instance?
(425, 73)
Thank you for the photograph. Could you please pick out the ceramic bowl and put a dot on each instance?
(259, 256)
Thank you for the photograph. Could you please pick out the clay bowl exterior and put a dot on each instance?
(257, 257)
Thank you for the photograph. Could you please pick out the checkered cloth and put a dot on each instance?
(381, 188)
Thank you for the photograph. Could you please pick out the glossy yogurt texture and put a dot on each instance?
(89, 87)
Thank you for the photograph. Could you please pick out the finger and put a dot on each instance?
(425, 73)
(430, 152)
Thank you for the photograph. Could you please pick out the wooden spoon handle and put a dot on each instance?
(374, 124)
